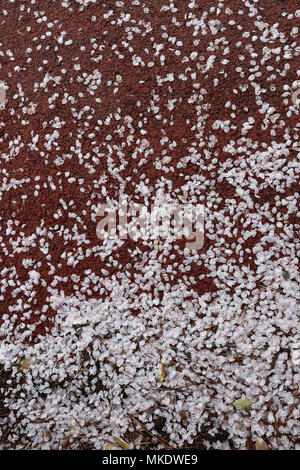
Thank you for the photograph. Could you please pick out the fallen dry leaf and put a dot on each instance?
(109, 447)
(25, 363)
(121, 443)
(244, 403)
(163, 372)
(260, 444)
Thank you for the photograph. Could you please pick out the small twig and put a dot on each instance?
(292, 409)
(155, 436)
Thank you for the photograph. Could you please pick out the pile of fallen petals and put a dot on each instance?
(141, 342)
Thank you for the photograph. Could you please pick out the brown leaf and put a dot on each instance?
(109, 447)
(25, 363)
(121, 443)
(260, 444)
(163, 372)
